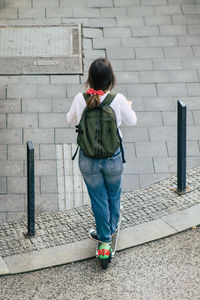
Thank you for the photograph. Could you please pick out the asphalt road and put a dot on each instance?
(165, 269)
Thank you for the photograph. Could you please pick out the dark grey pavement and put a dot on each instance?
(167, 269)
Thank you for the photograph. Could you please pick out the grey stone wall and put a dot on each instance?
(154, 47)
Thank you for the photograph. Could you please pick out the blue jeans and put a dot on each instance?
(103, 181)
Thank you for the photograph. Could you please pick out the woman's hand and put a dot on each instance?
(130, 103)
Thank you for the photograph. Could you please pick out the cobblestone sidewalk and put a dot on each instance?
(60, 228)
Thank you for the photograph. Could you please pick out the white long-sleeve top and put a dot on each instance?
(119, 104)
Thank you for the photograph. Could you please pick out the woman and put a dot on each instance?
(103, 176)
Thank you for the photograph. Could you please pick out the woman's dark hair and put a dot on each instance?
(100, 77)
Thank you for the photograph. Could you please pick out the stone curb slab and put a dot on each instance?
(80, 250)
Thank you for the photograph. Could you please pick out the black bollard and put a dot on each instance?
(30, 189)
(181, 147)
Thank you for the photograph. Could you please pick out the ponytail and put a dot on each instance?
(93, 101)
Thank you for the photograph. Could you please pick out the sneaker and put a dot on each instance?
(93, 236)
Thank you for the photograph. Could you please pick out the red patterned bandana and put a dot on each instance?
(93, 92)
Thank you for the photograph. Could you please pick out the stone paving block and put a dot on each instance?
(18, 152)
(170, 118)
(9, 106)
(163, 134)
(135, 42)
(129, 149)
(53, 120)
(150, 52)
(49, 185)
(193, 133)
(87, 44)
(191, 62)
(113, 32)
(173, 29)
(102, 22)
(154, 76)
(22, 121)
(184, 219)
(189, 40)
(130, 183)
(120, 53)
(17, 185)
(46, 202)
(52, 12)
(178, 52)
(126, 2)
(196, 50)
(135, 134)
(194, 29)
(196, 115)
(113, 12)
(93, 54)
(11, 136)
(92, 33)
(192, 162)
(145, 31)
(106, 43)
(192, 148)
(12, 202)
(11, 168)
(47, 151)
(148, 179)
(36, 105)
(31, 13)
(2, 120)
(3, 152)
(166, 10)
(45, 3)
(65, 136)
(183, 76)
(172, 89)
(46, 91)
(3, 185)
(12, 216)
(21, 91)
(191, 9)
(61, 105)
(74, 89)
(118, 65)
(2, 92)
(129, 21)
(31, 79)
(120, 88)
(151, 149)
(162, 41)
(2, 217)
(192, 103)
(39, 136)
(167, 64)
(149, 119)
(50, 21)
(165, 164)
(154, 2)
(159, 104)
(127, 77)
(84, 21)
(73, 3)
(45, 167)
(64, 79)
(142, 90)
(140, 11)
(86, 12)
(100, 3)
(186, 19)
(8, 13)
(157, 20)
(138, 64)
(193, 89)
(142, 165)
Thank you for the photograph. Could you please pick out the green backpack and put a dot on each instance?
(98, 135)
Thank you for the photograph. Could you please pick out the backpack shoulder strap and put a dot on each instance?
(109, 98)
